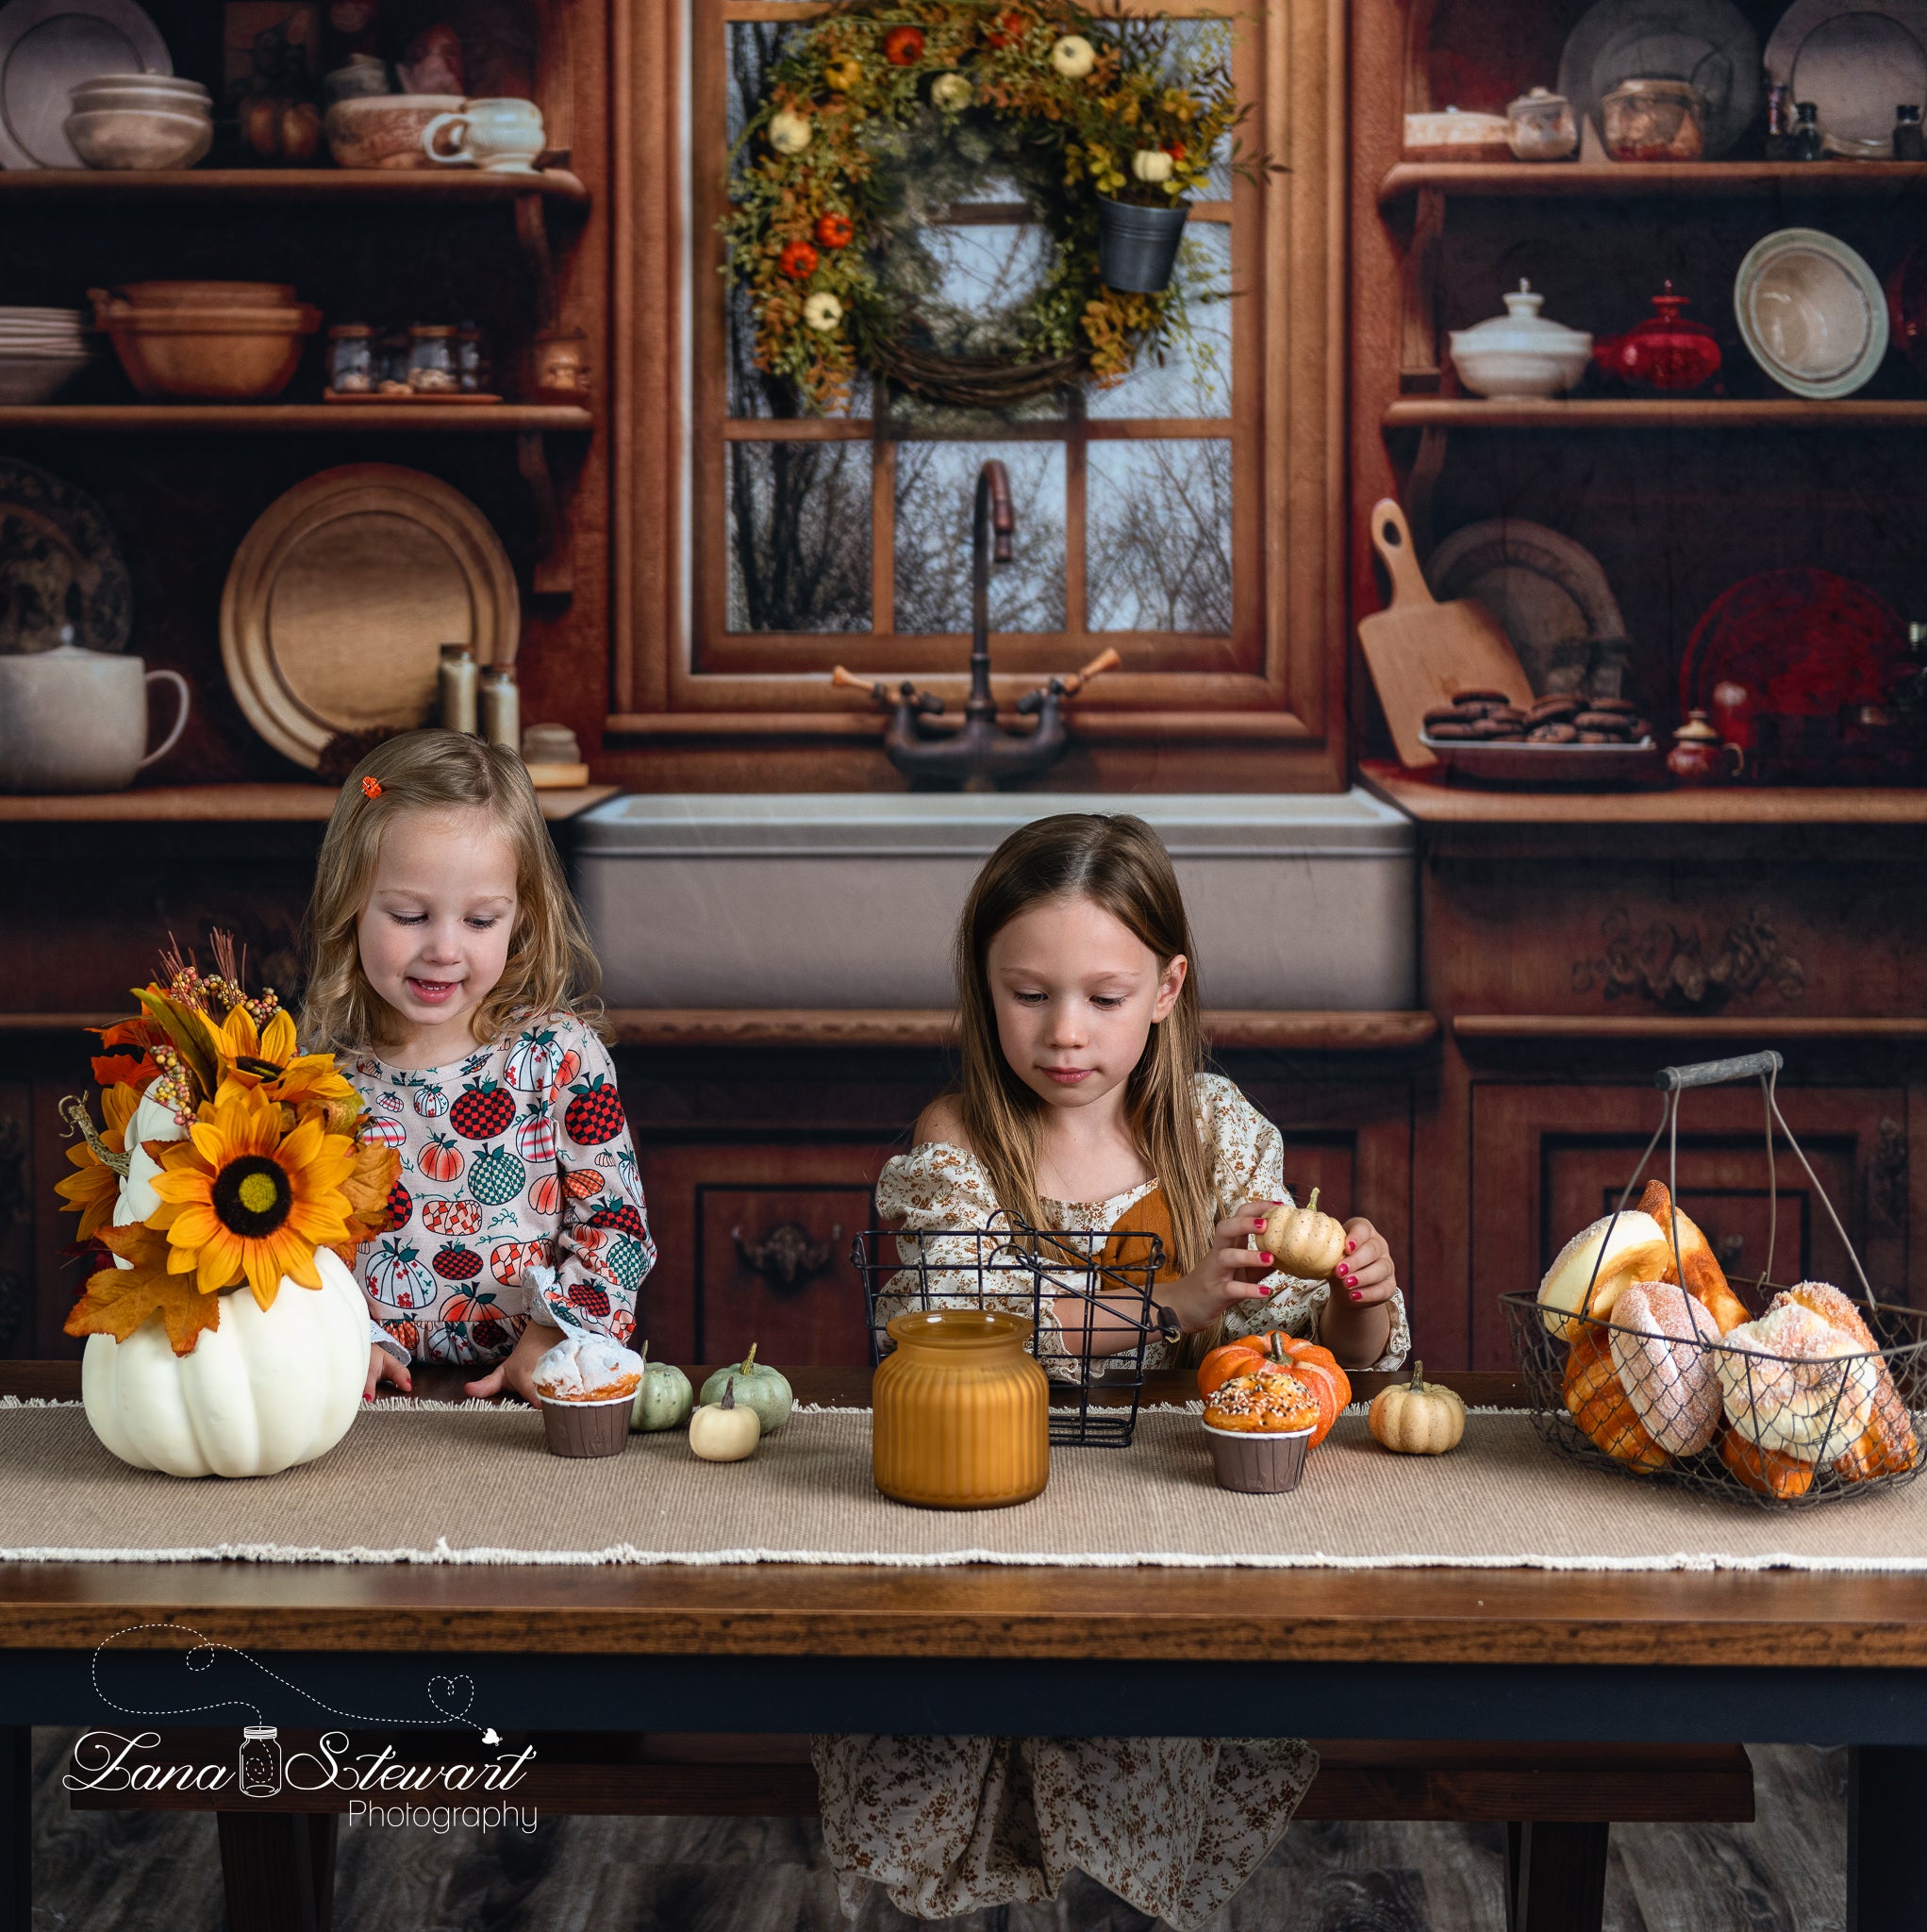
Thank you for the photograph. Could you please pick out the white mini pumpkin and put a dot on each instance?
(266, 1389)
(151, 1122)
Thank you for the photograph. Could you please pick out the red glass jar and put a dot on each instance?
(1666, 351)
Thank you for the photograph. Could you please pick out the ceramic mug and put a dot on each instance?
(501, 136)
(74, 719)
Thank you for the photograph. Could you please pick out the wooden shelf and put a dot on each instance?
(1648, 412)
(1517, 1029)
(935, 1026)
(396, 186)
(1611, 180)
(1435, 801)
(346, 419)
(293, 803)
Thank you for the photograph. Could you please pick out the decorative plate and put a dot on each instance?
(1854, 60)
(1811, 312)
(1803, 641)
(1546, 591)
(48, 47)
(1706, 41)
(60, 566)
(340, 597)
(1545, 767)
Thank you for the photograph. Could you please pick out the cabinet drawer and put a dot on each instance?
(754, 1247)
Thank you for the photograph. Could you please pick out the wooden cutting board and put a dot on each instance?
(1423, 654)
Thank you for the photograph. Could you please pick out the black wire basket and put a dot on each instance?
(1783, 1430)
(1097, 1284)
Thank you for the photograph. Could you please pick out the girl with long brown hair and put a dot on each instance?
(1082, 1105)
(1082, 1109)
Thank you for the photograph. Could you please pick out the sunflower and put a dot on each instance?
(93, 1188)
(249, 1056)
(241, 1202)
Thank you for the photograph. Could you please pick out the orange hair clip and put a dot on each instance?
(370, 788)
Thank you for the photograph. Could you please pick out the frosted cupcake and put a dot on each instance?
(1260, 1428)
(586, 1385)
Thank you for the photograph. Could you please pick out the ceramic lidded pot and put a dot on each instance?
(1698, 753)
(1543, 126)
(1520, 352)
(74, 719)
(961, 1412)
(1665, 351)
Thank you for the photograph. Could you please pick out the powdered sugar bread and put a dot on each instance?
(1793, 1382)
(1698, 1271)
(587, 1368)
(1889, 1443)
(1658, 1337)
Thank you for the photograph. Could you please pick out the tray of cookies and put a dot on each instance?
(1563, 738)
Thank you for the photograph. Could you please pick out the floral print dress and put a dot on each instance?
(1173, 1825)
(518, 1199)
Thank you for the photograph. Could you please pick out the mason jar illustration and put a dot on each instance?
(260, 1761)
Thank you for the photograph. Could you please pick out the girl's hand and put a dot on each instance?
(516, 1372)
(1357, 1324)
(383, 1367)
(1214, 1285)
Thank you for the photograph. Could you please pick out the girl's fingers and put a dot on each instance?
(489, 1384)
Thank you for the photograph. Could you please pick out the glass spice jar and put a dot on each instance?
(351, 359)
(471, 359)
(1808, 144)
(1654, 120)
(457, 684)
(431, 358)
(502, 707)
(1543, 126)
(1908, 142)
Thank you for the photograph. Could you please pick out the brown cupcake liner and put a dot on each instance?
(1258, 1461)
(586, 1428)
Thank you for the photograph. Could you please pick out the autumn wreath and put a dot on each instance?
(874, 111)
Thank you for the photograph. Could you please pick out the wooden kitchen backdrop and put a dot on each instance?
(1570, 943)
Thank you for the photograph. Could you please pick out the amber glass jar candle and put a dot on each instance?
(962, 1412)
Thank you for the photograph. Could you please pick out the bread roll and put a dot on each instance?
(1595, 1264)
(1793, 1382)
(1596, 1400)
(1889, 1445)
(1658, 1338)
(1705, 1278)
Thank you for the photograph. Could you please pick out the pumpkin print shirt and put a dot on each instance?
(518, 1199)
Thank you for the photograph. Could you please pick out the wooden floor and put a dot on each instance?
(134, 1872)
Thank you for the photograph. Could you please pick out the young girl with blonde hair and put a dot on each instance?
(450, 968)
(1082, 1105)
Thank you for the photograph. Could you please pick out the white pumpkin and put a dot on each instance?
(266, 1389)
(151, 1122)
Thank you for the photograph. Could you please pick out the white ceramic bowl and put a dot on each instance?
(1811, 312)
(159, 83)
(384, 130)
(141, 138)
(139, 100)
(27, 379)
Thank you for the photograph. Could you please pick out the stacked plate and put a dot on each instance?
(42, 351)
(139, 120)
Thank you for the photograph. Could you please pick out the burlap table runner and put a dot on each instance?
(437, 1483)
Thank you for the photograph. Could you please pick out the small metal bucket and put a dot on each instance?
(1136, 248)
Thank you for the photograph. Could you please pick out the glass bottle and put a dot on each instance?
(457, 684)
(1806, 134)
(431, 358)
(1909, 143)
(1779, 121)
(502, 707)
(260, 1761)
(351, 359)
(471, 359)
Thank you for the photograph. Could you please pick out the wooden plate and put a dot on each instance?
(340, 597)
(1547, 767)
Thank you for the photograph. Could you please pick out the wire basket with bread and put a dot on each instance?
(1637, 1351)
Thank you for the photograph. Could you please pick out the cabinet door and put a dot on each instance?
(21, 1210)
(754, 1247)
(1549, 1160)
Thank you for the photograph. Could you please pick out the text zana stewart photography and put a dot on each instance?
(382, 1788)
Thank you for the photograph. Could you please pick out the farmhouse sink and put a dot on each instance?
(844, 900)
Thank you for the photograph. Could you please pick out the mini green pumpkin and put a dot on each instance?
(757, 1385)
(663, 1397)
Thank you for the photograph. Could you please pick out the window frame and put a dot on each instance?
(1286, 430)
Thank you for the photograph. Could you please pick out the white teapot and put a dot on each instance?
(74, 719)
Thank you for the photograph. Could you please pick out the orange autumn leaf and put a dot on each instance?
(377, 1167)
(117, 1301)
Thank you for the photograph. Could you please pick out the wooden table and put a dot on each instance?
(1778, 1657)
